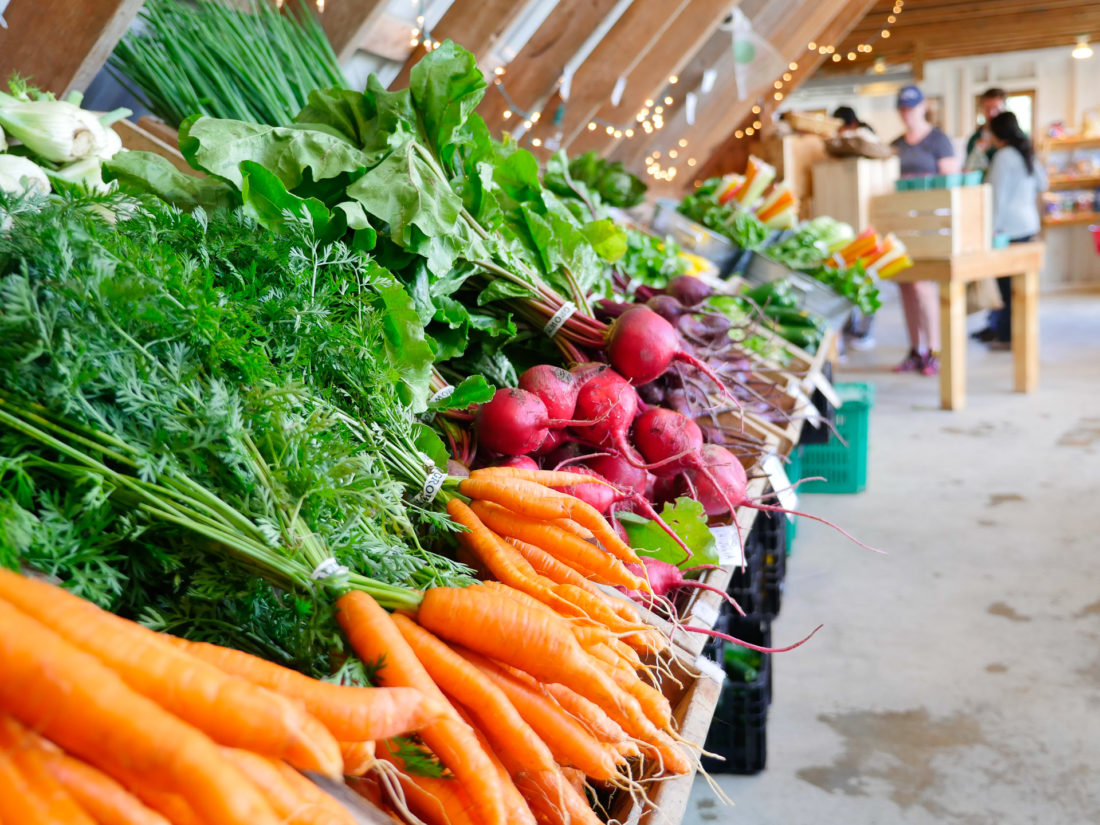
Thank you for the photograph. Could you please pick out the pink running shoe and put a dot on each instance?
(931, 365)
(913, 362)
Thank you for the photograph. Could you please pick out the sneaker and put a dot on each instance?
(912, 363)
(997, 345)
(984, 335)
(862, 344)
(931, 365)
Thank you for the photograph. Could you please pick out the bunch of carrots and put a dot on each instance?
(528, 689)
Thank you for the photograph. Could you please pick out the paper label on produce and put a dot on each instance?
(727, 544)
(558, 319)
(838, 259)
(703, 614)
(442, 394)
(712, 670)
(781, 484)
(807, 408)
(827, 389)
(328, 569)
(432, 485)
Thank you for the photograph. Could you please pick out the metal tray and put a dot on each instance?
(694, 237)
(815, 296)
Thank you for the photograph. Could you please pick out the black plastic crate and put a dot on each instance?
(766, 555)
(747, 583)
(822, 433)
(738, 731)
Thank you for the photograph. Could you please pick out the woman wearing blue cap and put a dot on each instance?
(922, 150)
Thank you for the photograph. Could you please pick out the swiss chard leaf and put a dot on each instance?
(474, 389)
(446, 87)
(688, 520)
(147, 172)
(406, 346)
(218, 147)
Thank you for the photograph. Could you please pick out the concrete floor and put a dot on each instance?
(956, 680)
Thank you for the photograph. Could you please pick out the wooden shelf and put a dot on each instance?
(1073, 219)
(1068, 144)
(1074, 182)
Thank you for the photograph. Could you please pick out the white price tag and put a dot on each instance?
(728, 546)
(442, 394)
(328, 569)
(704, 614)
(781, 485)
(558, 319)
(807, 408)
(710, 669)
(827, 389)
(432, 485)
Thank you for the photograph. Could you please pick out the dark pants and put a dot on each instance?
(1000, 320)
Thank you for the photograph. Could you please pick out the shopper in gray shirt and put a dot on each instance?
(1017, 180)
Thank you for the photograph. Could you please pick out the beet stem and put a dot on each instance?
(772, 509)
(719, 635)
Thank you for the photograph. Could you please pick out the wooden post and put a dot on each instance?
(1025, 330)
(61, 44)
(953, 350)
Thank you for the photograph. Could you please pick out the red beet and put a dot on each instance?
(610, 404)
(515, 422)
(520, 461)
(556, 388)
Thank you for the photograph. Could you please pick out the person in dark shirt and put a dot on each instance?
(980, 148)
(850, 121)
(922, 150)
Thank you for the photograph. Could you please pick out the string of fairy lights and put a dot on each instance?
(650, 118)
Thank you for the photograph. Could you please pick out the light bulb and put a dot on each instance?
(851, 55)
(672, 153)
(535, 117)
(591, 126)
(1082, 51)
(668, 101)
(657, 110)
(756, 110)
(691, 161)
(610, 130)
(792, 66)
(682, 142)
(891, 19)
(787, 77)
(738, 134)
(629, 133)
(778, 95)
(756, 124)
(749, 131)
(812, 46)
(527, 124)
(498, 71)
(836, 58)
(885, 34)
(618, 133)
(673, 79)
(778, 84)
(536, 142)
(649, 104)
(507, 113)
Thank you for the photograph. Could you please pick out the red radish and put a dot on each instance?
(586, 370)
(665, 579)
(515, 422)
(720, 486)
(610, 404)
(642, 345)
(521, 462)
(555, 387)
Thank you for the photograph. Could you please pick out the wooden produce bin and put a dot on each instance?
(843, 187)
(694, 696)
(937, 223)
(793, 157)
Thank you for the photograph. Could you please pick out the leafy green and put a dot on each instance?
(743, 228)
(148, 172)
(651, 260)
(688, 520)
(609, 180)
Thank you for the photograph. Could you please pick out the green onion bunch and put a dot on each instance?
(257, 64)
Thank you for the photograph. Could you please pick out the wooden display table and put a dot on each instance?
(1022, 263)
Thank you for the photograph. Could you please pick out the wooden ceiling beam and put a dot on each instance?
(533, 74)
(788, 28)
(625, 44)
(476, 25)
(346, 22)
(60, 45)
(681, 41)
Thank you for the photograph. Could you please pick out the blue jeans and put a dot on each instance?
(1000, 320)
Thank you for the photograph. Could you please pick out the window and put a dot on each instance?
(1021, 104)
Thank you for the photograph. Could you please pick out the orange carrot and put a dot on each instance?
(374, 636)
(544, 563)
(20, 802)
(349, 713)
(576, 552)
(108, 802)
(76, 701)
(596, 608)
(60, 803)
(538, 502)
(325, 807)
(546, 478)
(576, 779)
(436, 800)
(152, 666)
(501, 559)
(518, 810)
(358, 757)
(287, 797)
(571, 526)
(589, 714)
(652, 701)
(568, 741)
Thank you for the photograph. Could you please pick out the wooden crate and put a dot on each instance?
(937, 223)
(693, 701)
(844, 187)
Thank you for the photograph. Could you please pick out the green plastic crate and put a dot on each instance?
(843, 467)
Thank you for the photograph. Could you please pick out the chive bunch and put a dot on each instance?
(257, 64)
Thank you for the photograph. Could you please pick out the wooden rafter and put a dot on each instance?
(619, 51)
(59, 44)
(347, 21)
(681, 41)
(934, 29)
(476, 25)
(533, 74)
